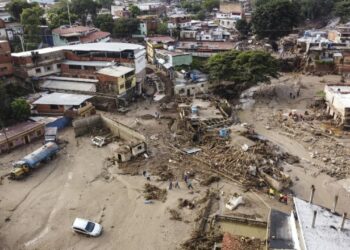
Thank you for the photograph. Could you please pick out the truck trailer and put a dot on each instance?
(24, 166)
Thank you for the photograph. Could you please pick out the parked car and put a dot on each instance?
(87, 227)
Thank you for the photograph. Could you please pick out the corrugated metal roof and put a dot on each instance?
(68, 85)
(74, 79)
(18, 129)
(40, 51)
(62, 99)
(115, 71)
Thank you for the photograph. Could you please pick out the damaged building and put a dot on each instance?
(338, 103)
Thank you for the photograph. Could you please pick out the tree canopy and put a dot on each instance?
(243, 27)
(342, 10)
(20, 109)
(31, 19)
(134, 10)
(104, 22)
(244, 69)
(84, 8)
(209, 5)
(313, 9)
(16, 7)
(275, 18)
(125, 27)
(58, 15)
(105, 3)
(163, 29)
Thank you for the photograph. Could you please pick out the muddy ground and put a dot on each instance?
(37, 212)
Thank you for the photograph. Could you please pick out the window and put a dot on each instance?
(48, 68)
(90, 226)
(54, 107)
(122, 86)
(38, 70)
(139, 147)
(74, 67)
(59, 66)
(10, 144)
(38, 133)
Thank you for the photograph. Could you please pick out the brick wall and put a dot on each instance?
(47, 109)
(105, 83)
(80, 73)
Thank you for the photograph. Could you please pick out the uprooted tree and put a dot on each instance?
(243, 69)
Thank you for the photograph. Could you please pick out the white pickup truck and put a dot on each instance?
(101, 141)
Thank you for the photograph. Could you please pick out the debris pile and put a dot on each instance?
(175, 215)
(210, 180)
(152, 192)
(185, 203)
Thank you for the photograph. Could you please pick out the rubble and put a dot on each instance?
(152, 192)
(175, 215)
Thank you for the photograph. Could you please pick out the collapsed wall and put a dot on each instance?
(89, 124)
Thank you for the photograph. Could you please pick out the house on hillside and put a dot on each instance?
(69, 35)
(117, 79)
(70, 105)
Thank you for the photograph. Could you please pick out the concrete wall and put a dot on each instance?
(122, 131)
(83, 126)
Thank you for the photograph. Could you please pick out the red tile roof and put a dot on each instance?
(231, 242)
(92, 37)
(72, 29)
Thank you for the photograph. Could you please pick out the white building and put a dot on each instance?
(228, 20)
(338, 103)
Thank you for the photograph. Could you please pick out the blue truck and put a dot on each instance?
(24, 166)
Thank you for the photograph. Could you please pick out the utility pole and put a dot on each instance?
(22, 41)
(70, 23)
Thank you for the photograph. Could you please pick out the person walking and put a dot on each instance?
(177, 184)
(186, 178)
(189, 184)
(170, 185)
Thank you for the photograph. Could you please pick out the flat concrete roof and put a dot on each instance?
(116, 71)
(62, 99)
(325, 234)
(40, 51)
(103, 47)
(69, 85)
(280, 234)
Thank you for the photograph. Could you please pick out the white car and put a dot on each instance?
(87, 227)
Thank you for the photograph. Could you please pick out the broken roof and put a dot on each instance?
(160, 39)
(116, 71)
(94, 36)
(62, 99)
(325, 234)
(207, 45)
(18, 129)
(66, 30)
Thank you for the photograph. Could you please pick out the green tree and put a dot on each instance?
(125, 27)
(276, 18)
(134, 10)
(313, 9)
(84, 8)
(5, 101)
(16, 7)
(192, 7)
(105, 3)
(31, 19)
(58, 14)
(244, 69)
(20, 109)
(163, 29)
(243, 27)
(104, 22)
(200, 15)
(342, 10)
(209, 5)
